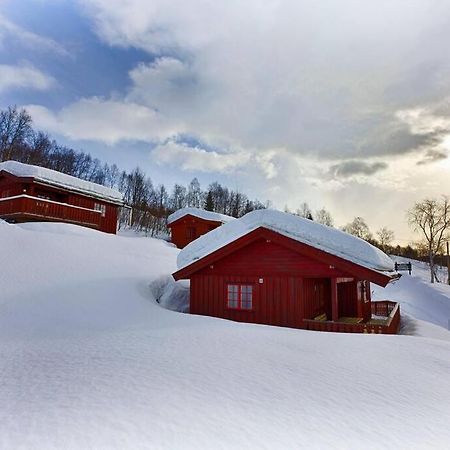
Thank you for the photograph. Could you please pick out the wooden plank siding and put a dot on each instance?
(289, 288)
(51, 203)
(265, 257)
(275, 301)
(188, 228)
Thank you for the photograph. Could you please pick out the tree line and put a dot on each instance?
(429, 217)
(150, 204)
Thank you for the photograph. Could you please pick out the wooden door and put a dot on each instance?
(347, 299)
(317, 297)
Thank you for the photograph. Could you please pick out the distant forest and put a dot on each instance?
(150, 204)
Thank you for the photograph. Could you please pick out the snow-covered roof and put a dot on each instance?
(319, 236)
(201, 213)
(59, 179)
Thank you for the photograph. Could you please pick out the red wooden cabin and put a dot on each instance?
(278, 269)
(187, 224)
(31, 193)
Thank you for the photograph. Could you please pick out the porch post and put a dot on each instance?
(334, 300)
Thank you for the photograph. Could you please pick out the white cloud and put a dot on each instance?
(321, 79)
(9, 30)
(24, 76)
(198, 159)
(427, 119)
(103, 120)
(282, 91)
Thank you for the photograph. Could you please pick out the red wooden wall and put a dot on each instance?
(188, 228)
(287, 286)
(12, 186)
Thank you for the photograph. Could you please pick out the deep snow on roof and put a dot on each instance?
(55, 178)
(330, 240)
(201, 213)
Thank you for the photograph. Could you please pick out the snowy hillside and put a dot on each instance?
(420, 300)
(88, 359)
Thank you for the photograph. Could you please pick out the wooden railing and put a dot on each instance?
(25, 206)
(383, 308)
(390, 325)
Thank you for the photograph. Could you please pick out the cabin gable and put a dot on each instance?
(332, 261)
(188, 228)
(266, 257)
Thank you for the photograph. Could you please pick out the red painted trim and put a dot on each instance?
(349, 267)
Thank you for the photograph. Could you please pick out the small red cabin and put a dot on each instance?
(274, 268)
(187, 224)
(31, 193)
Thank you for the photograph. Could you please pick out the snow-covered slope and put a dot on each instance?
(420, 299)
(88, 359)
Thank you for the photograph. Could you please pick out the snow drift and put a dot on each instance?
(88, 359)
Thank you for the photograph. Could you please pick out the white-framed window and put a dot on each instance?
(101, 208)
(240, 296)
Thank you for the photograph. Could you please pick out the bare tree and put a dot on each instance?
(431, 217)
(385, 237)
(15, 130)
(304, 211)
(359, 228)
(39, 150)
(112, 175)
(324, 217)
(178, 198)
(194, 194)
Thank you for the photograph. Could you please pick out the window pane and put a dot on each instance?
(246, 296)
(233, 296)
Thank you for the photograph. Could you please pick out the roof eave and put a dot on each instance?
(169, 224)
(65, 187)
(378, 277)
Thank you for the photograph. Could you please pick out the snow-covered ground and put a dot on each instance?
(89, 359)
(422, 304)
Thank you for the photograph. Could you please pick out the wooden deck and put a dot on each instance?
(387, 321)
(25, 207)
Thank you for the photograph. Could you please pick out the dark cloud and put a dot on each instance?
(400, 141)
(432, 156)
(347, 169)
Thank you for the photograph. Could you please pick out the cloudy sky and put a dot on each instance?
(340, 103)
